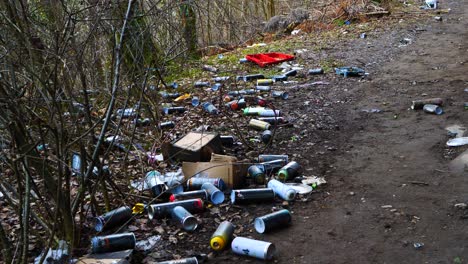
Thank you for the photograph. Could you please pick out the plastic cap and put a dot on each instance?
(259, 225)
(172, 198)
(217, 243)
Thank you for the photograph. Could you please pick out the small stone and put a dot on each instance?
(352, 193)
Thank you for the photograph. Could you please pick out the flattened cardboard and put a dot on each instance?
(195, 146)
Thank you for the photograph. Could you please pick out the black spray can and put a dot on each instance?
(291, 170)
(267, 136)
(155, 184)
(113, 218)
(316, 71)
(166, 125)
(173, 110)
(186, 220)
(257, 174)
(195, 183)
(291, 73)
(252, 77)
(266, 157)
(272, 165)
(252, 195)
(112, 243)
(192, 260)
(164, 209)
(266, 223)
(201, 194)
(201, 84)
(227, 141)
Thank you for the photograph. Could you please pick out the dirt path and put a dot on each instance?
(390, 184)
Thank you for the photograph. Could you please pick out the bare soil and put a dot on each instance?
(389, 182)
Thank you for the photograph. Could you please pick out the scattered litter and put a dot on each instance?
(253, 248)
(433, 109)
(350, 71)
(386, 206)
(58, 255)
(269, 222)
(419, 104)
(257, 45)
(456, 142)
(405, 42)
(264, 59)
(119, 257)
(363, 35)
(460, 205)
(314, 180)
(148, 244)
(455, 131)
(372, 110)
(222, 236)
(418, 245)
(300, 188)
(438, 18)
(300, 51)
(295, 32)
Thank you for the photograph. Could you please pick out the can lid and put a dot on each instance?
(217, 243)
(259, 225)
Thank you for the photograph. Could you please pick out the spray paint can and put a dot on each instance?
(273, 165)
(272, 120)
(247, 92)
(169, 95)
(266, 223)
(227, 141)
(419, 104)
(195, 101)
(279, 78)
(210, 108)
(243, 60)
(264, 82)
(282, 190)
(251, 77)
(215, 195)
(263, 88)
(291, 170)
(216, 87)
(164, 209)
(280, 94)
(257, 173)
(291, 73)
(173, 110)
(269, 113)
(154, 182)
(233, 93)
(316, 71)
(201, 84)
(260, 125)
(166, 125)
(267, 136)
(253, 248)
(201, 194)
(174, 187)
(184, 218)
(433, 109)
(221, 78)
(236, 104)
(253, 110)
(228, 98)
(268, 157)
(112, 243)
(113, 218)
(209, 68)
(222, 236)
(195, 183)
(252, 195)
(192, 260)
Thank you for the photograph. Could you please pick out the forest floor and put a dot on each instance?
(391, 179)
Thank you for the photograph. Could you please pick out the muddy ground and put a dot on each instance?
(389, 179)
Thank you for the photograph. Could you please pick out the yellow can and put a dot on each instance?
(222, 236)
(258, 124)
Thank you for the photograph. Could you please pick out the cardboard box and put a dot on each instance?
(195, 146)
(119, 257)
(220, 166)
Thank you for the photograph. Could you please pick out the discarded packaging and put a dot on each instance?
(456, 142)
(282, 190)
(184, 218)
(215, 195)
(113, 218)
(195, 146)
(112, 243)
(419, 104)
(252, 195)
(59, 255)
(269, 222)
(291, 170)
(270, 166)
(253, 248)
(164, 209)
(433, 109)
(222, 236)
